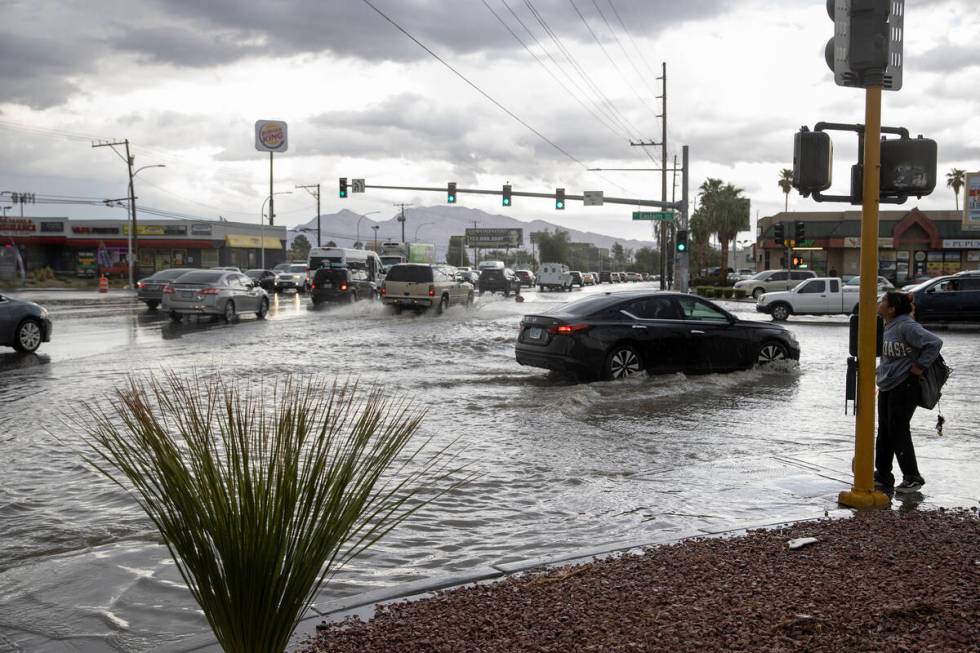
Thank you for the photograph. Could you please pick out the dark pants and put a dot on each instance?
(895, 410)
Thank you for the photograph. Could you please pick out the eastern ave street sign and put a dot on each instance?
(653, 215)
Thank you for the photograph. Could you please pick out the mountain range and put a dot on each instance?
(435, 224)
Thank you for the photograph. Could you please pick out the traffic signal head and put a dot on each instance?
(779, 232)
(451, 193)
(799, 231)
(343, 187)
(681, 245)
(813, 159)
(560, 199)
(908, 166)
(866, 49)
(506, 195)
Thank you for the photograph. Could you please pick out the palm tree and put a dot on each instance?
(261, 493)
(725, 213)
(956, 179)
(786, 183)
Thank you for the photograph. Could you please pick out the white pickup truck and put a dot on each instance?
(817, 296)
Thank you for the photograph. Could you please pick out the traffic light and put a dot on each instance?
(343, 187)
(799, 262)
(799, 231)
(506, 195)
(779, 232)
(866, 49)
(813, 160)
(908, 166)
(560, 199)
(681, 244)
(451, 193)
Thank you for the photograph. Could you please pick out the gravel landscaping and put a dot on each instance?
(888, 580)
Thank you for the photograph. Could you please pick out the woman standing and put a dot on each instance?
(908, 349)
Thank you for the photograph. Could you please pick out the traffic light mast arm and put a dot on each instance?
(478, 191)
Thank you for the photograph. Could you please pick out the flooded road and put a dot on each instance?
(564, 466)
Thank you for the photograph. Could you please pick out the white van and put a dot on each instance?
(554, 276)
(352, 259)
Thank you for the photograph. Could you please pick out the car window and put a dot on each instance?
(202, 277)
(815, 286)
(778, 276)
(967, 283)
(298, 268)
(653, 308)
(359, 275)
(802, 274)
(834, 285)
(696, 309)
(412, 273)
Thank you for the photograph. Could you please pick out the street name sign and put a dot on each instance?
(653, 215)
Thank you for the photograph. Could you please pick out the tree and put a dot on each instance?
(330, 243)
(300, 249)
(786, 183)
(956, 179)
(725, 213)
(618, 255)
(646, 260)
(553, 247)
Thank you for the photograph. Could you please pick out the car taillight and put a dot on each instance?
(343, 285)
(168, 289)
(382, 290)
(208, 291)
(312, 286)
(140, 284)
(432, 291)
(565, 329)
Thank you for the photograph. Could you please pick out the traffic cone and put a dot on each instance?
(103, 284)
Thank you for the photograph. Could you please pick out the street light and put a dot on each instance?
(363, 215)
(416, 237)
(5, 209)
(262, 221)
(743, 243)
(133, 239)
(375, 227)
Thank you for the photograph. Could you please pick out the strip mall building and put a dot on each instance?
(81, 247)
(911, 243)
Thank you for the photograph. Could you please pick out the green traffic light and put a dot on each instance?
(343, 193)
(681, 247)
(506, 201)
(451, 199)
(559, 205)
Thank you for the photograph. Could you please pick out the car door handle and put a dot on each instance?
(700, 333)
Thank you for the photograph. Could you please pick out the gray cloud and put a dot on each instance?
(35, 70)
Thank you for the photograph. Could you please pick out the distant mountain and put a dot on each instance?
(435, 224)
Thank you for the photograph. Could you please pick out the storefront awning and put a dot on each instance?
(252, 242)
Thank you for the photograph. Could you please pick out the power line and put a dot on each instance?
(619, 42)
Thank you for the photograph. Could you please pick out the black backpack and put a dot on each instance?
(932, 381)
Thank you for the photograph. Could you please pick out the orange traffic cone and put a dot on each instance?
(103, 284)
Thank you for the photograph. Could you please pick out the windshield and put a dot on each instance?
(282, 267)
(760, 275)
(168, 275)
(298, 268)
(202, 277)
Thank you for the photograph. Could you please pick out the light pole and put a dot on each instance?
(262, 221)
(363, 215)
(375, 227)
(133, 238)
(743, 243)
(5, 209)
(416, 237)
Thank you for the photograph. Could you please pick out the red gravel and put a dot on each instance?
(879, 581)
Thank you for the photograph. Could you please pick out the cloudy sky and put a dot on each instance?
(545, 90)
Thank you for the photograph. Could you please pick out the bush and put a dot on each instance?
(727, 292)
(741, 294)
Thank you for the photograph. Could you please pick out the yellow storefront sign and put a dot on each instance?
(145, 230)
(252, 242)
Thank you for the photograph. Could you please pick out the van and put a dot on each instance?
(554, 276)
(351, 259)
(773, 280)
(419, 287)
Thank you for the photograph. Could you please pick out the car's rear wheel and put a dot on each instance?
(263, 309)
(771, 352)
(780, 312)
(152, 305)
(28, 336)
(469, 301)
(351, 298)
(757, 293)
(623, 360)
(229, 314)
(443, 305)
(175, 316)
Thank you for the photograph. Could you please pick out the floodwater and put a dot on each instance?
(563, 466)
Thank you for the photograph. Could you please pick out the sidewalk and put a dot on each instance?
(756, 493)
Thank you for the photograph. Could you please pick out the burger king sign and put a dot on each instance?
(270, 136)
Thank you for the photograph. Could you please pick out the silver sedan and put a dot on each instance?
(214, 292)
(23, 325)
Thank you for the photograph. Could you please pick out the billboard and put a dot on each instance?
(971, 203)
(494, 238)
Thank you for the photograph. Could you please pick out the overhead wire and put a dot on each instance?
(626, 55)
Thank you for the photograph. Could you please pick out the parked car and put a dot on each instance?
(23, 325)
(341, 285)
(818, 296)
(770, 280)
(150, 289)
(291, 276)
(214, 292)
(883, 283)
(953, 298)
(554, 276)
(605, 277)
(472, 276)
(577, 278)
(526, 277)
(634, 276)
(618, 334)
(265, 278)
(499, 280)
(615, 277)
(588, 279)
(419, 287)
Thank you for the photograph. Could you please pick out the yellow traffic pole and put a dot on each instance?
(862, 494)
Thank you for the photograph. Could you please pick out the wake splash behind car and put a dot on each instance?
(622, 333)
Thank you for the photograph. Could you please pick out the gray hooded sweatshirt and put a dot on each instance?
(906, 342)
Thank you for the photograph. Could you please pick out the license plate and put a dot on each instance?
(187, 294)
(328, 285)
(534, 333)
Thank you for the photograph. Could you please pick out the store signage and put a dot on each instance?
(493, 238)
(53, 227)
(961, 244)
(95, 230)
(855, 241)
(17, 225)
(201, 229)
(271, 136)
(175, 230)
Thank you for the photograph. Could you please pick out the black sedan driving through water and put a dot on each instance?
(621, 333)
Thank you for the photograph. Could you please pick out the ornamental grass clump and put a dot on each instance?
(260, 493)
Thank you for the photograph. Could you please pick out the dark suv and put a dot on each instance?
(499, 280)
(341, 285)
(953, 298)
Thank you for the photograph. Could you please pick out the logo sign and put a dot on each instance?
(653, 215)
(357, 186)
(201, 229)
(494, 238)
(971, 203)
(270, 136)
(53, 227)
(592, 198)
(17, 225)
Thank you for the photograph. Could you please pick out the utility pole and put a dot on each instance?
(401, 218)
(309, 189)
(134, 248)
